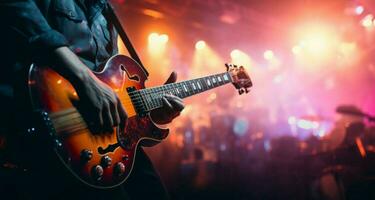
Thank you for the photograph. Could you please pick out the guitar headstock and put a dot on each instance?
(240, 78)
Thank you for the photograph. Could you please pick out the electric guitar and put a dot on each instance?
(105, 161)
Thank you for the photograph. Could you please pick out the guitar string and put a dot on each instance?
(137, 100)
(75, 111)
(84, 125)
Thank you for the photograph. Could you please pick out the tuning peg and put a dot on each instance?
(241, 91)
(227, 65)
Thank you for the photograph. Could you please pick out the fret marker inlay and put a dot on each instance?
(226, 77)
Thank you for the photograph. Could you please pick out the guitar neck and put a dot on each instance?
(149, 99)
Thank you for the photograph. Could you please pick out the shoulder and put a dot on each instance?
(43, 5)
(47, 7)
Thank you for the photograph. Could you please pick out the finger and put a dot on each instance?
(114, 113)
(122, 114)
(177, 104)
(107, 119)
(172, 78)
(174, 97)
(166, 104)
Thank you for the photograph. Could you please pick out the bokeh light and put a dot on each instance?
(157, 44)
(200, 45)
(359, 10)
(367, 21)
(240, 58)
(268, 55)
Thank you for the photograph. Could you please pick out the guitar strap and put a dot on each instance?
(113, 18)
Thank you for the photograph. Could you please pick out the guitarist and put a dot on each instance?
(74, 38)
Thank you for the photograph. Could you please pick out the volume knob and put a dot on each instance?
(97, 172)
(106, 161)
(86, 155)
(119, 169)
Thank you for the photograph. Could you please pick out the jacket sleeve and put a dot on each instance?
(28, 28)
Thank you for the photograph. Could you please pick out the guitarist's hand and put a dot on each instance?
(98, 103)
(172, 106)
(102, 105)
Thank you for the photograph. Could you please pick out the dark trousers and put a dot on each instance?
(143, 183)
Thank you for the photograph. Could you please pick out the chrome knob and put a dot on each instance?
(106, 161)
(97, 172)
(86, 155)
(119, 169)
(125, 157)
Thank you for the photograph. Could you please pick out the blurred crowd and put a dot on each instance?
(224, 156)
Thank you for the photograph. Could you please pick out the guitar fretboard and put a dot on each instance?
(149, 99)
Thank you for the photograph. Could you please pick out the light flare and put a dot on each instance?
(240, 58)
(157, 44)
(200, 45)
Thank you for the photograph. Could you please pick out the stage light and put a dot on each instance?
(212, 97)
(367, 21)
(305, 124)
(240, 58)
(153, 37)
(268, 55)
(200, 45)
(359, 10)
(240, 127)
(267, 145)
(317, 45)
(296, 50)
(157, 44)
(235, 54)
(205, 59)
(164, 38)
(292, 120)
(153, 13)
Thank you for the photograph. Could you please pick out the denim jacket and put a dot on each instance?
(35, 27)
